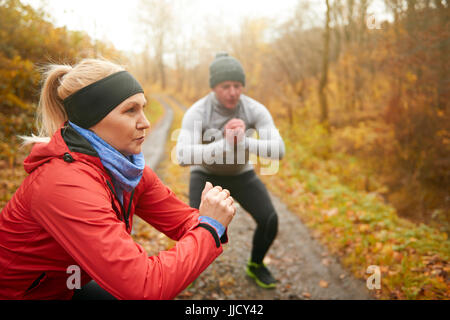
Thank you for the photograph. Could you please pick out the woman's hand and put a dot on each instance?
(217, 204)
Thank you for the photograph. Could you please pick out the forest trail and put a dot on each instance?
(303, 267)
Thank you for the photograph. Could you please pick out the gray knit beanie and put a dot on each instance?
(225, 68)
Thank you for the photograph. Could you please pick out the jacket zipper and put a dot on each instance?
(126, 214)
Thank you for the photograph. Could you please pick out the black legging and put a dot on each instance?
(92, 291)
(252, 195)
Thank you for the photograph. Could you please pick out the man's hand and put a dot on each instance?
(234, 131)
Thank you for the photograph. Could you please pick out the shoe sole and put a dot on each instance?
(259, 282)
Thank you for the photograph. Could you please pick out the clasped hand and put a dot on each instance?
(234, 131)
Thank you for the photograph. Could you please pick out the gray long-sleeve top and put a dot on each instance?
(201, 142)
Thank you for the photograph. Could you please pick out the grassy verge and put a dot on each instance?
(358, 226)
(154, 111)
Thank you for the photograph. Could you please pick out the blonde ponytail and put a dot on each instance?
(60, 81)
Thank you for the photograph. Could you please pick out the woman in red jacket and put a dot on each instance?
(68, 225)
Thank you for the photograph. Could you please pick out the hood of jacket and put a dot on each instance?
(66, 144)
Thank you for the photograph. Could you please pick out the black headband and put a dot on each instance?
(90, 104)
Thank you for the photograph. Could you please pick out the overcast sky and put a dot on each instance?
(116, 20)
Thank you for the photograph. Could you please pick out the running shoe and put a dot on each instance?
(261, 275)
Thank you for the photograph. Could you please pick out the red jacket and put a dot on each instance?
(65, 213)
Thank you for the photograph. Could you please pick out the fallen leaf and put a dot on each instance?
(326, 262)
(363, 228)
(384, 269)
(186, 294)
(323, 284)
(331, 212)
(398, 256)
(306, 295)
(436, 272)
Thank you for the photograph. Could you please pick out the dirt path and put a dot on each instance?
(304, 269)
(154, 144)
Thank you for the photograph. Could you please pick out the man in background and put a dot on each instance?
(216, 139)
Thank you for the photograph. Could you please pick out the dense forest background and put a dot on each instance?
(374, 90)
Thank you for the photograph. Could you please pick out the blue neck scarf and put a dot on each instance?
(126, 172)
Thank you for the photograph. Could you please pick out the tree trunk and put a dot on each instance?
(324, 78)
(443, 56)
(160, 59)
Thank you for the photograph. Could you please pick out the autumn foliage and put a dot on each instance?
(27, 43)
